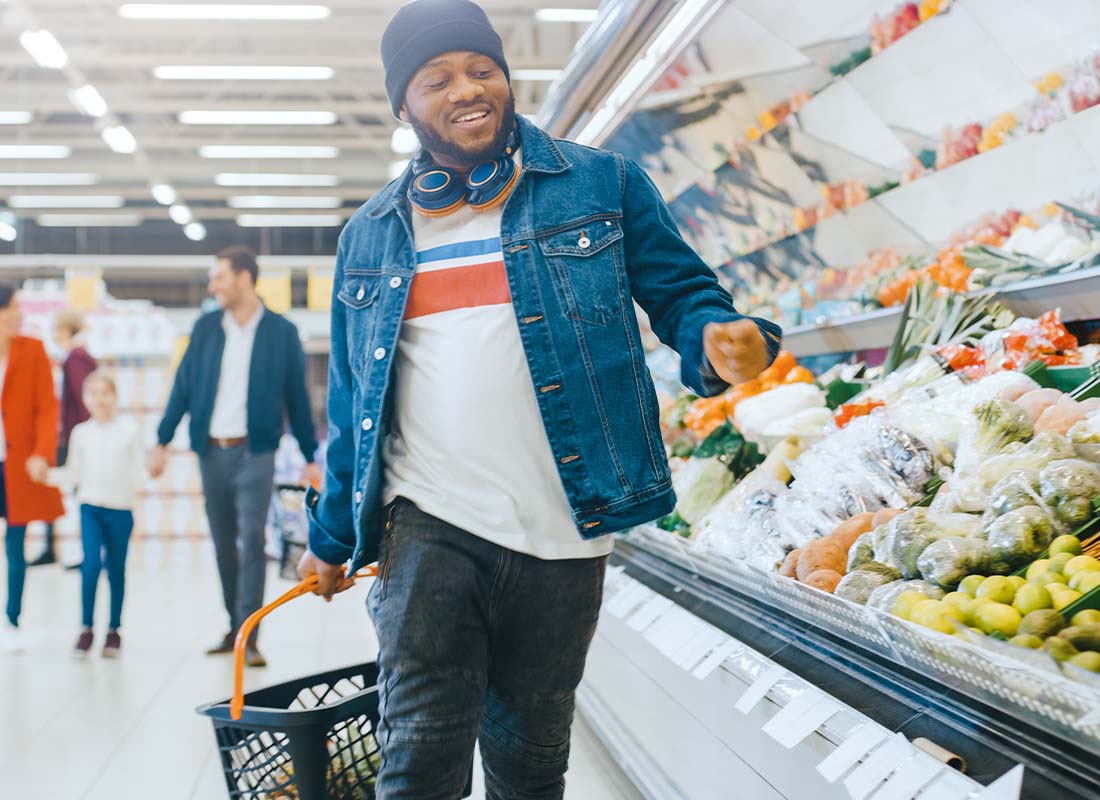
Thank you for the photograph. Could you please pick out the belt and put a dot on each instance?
(225, 444)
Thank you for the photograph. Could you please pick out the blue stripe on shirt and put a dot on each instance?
(478, 247)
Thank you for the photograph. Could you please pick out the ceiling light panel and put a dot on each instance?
(257, 117)
(15, 117)
(289, 220)
(195, 231)
(65, 201)
(48, 178)
(566, 14)
(89, 220)
(404, 141)
(223, 11)
(283, 201)
(163, 193)
(88, 101)
(181, 214)
(246, 151)
(35, 151)
(119, 139)
(273, 179)
(7, 231)
(242, 73)
(44, 49)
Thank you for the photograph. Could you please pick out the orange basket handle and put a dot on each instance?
(236, 705)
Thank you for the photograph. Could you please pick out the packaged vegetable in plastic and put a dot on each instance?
(884, 597)
(907, 535)
(996, 423)
(862, 551)
(947, 561)
(1060, 417)
(1085, 436)
(754, 415)
(1037, 401)
(1068, 487)
(857, 586)
(699, 485)
(1018, 537)
(1015, 490)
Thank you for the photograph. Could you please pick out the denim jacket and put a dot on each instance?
(583, 233)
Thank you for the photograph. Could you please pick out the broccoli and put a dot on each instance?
(1018, 537)
(1001, 422)
(1069, 487)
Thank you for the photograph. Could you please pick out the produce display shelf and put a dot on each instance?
(1077, 294)
(970, 706)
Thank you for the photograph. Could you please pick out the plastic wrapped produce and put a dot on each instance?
(1038, 401)
(1085, 437)
(754, 415)
(1018, 537)
(947, 561)
(857, 586)
(1060, 417)
(884, 597)
(1015, 490)
(996, 423)
(699, 485)
(907, 535)
(1068, 488)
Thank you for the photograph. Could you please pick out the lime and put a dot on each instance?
(1066, 544)
(1016, 581)
(1030, 597)
(1048, 577)
(1085, 582)
(997, 588)
(1026, 640)
(1089, 661)
(1042, 623)
(903, 606)
(1089, 615)
(1063, 598)
(1058, 562)
(970, 584)
(1059, 648)
(1080, 564)
(1038, 568)
(998, 618)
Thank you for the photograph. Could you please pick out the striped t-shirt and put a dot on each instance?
(468, 444)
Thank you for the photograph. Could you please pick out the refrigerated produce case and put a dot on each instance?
(823, 159)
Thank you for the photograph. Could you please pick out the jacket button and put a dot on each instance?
(358, 497)
(367, 424)
(584, 242)
(395, 282)
(379, 354)
(359, 295)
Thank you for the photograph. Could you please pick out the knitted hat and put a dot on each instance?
(424, 29)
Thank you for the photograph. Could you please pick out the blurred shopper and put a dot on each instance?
(77, 365)
(28, 443)
(242, 375)
(105, 466)
(491, 416)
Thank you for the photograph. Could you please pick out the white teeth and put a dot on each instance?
(472, 117)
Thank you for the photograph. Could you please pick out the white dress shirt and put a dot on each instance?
(230, 417)
(104, 463)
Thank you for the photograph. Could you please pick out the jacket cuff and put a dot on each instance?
(322, 541)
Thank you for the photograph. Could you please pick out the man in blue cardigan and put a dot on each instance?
(242, 376)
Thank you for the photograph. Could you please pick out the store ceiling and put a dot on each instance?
(331, 74)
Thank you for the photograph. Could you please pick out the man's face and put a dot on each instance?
(461, 107)
(227, 286)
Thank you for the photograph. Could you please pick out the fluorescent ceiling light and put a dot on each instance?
(89, 220)
(195, 231)
(48, 178)
(289, 220)
(223, 11)
(15, 117)
(567, 14)
(268, 151)
(273, 179)
(242, 73)
(536, 74)
(65, 201)
(88, 100)
(35, 151)
(397, 167)
(119, 139)
(404, 141)
(257, 117)
(44, 49)
(276, 201)
(163, 193)
(7, 231)
(181, 214)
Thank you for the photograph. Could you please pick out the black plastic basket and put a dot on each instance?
(307, 739)
(289, 511)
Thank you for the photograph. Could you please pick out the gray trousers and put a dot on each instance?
(237, 485)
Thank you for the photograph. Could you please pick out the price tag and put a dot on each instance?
(676, 628)
(698, 646)
(877, 766)
(627, 599)
(949, 785)
(648, 613)
(801, 717)
(759, 688)
(851, 750)
(913, 776)
(1006, 787)
(715, 658)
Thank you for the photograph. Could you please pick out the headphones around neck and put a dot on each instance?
(437, 191)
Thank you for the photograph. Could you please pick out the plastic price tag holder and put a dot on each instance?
(759, 688)
(673, 630)
(715, 657)
(648, 613)
(877, 766)
(948, 785)
(1006, 787)
(799, 718)
(851, 750)
(913, 776)
(627, 598)
(698, 646)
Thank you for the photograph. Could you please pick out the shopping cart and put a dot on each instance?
(288, 505)
(308, 739)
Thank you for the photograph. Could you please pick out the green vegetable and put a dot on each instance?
(674, 523)
(701, 483)
(999, 423)
(674, 416)
(857, 586)
(947, 561)
(1018, 537)
(1015, 490)
(728, 445)
(885, 570)
(862, 551)
(1068, 488)
(907, 535)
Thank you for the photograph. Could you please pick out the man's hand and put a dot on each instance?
(312, 475)
(330, 577)
(38, 469)
(157, 461)
(736, 350)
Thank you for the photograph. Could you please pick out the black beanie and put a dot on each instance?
(424, 29)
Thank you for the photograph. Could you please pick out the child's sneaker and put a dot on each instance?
(83, 644)
(113, 645)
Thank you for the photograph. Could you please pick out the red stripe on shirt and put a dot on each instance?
(458, 287)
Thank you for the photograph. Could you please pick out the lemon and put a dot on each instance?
(920, 607)
(1017, 581)
(1030, 598)
(1080, 564)
(1066, 544)
(1085, 582)
(997, 588)
(1026, 640)
(1038, 568)
(959, 599)
(1048, 577)
(972, 608)
(1059, 648)
(1058, 562)
(1063, 598)
(1085, 617)
(970, 584)
(903, 606)
(1087, 660)
(998, 618)
(935, 615)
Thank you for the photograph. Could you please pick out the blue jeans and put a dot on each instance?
(476, 643)
(104, 531)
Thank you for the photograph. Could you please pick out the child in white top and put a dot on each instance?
(105, 465)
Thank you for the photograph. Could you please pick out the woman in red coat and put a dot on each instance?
(28, 443)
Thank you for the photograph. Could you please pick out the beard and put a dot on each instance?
(432, 141)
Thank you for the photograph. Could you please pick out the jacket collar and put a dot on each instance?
(540, 154)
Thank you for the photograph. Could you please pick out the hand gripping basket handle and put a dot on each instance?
(236, 705)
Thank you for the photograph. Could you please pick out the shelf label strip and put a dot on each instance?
(759, 688)
(715, 658)
(649, 613)
(801, 717)
(851, 750)
(913, 776)
(877, 766)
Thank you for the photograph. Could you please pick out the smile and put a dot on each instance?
(472, 119)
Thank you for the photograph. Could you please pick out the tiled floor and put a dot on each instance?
(125, 730)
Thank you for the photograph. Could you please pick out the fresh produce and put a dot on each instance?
(858, 585)
(998, 618)
(1026, 640)
(1042, 623)
(862, 551)
(1086, 617)
(884, 597)
(1031, 597)
(789, 568)
(1068, 487)
(1089, 661)
(1018, 537)
(1067, 543)
(970, 584)
(997, 588)
(707, 414)
(947, 561)
(824, 579)
(821, 554)
(1059, 649)
(1083, 637)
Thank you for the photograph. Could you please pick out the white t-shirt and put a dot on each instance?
(468, 445)
(229, 419)
(105, 463)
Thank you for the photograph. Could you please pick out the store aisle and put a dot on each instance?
(105, 730)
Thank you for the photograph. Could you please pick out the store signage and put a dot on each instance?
(82, 288)
(851, 750)
(319, 288)
(273, 287)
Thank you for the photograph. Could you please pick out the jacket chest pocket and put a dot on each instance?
(359, 294)
(587, 265)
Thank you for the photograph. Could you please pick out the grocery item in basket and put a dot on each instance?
(1015, 490)
(1035, 402)
(1061, 416)
(699, 485)
(789, 567)
(1068, 488)
(1042, 623)
(884, 597)
(1083, 637)
(862, 551)
(1085, 437)
(824, 579)
(906, 536)
(857, 586)
(995, 423)
(947, 561)
(821, 554)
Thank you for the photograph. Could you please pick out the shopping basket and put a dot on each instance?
(307, 739)
(289, 515)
